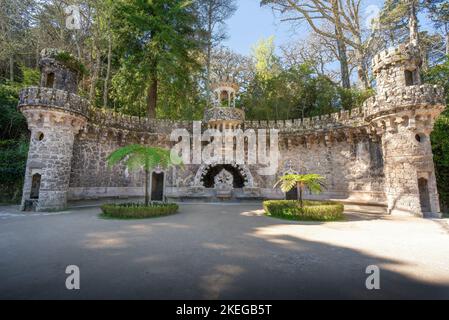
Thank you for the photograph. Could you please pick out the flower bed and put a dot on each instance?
(138, 211)
(312, 210)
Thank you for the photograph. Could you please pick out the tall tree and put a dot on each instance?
(212, 19)
(15, 21)
(439, 14)
(333, 19)
(157, 37)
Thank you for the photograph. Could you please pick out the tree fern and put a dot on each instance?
(136, 157)
(313, 182)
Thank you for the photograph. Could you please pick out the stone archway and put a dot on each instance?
(242, 170)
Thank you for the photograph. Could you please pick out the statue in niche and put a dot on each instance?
(224, 178)
(224, 183)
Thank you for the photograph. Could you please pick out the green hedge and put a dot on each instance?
(138, 211)
(312, 211)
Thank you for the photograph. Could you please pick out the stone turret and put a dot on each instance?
(403, 114)
(55, 115)
(224, 114)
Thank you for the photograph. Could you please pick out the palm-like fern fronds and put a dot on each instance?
(136, 157)
(313, 182)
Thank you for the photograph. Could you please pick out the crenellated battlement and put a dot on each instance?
(396, 55)
(54, 99)
(110, 119)
(399, 98)
(348, 118)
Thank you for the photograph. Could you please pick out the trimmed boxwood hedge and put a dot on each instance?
(312, 211)
(138, 211)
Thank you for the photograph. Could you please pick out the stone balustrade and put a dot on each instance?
(224, 114)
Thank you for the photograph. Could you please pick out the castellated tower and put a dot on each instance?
(55, 114)
(403, 114)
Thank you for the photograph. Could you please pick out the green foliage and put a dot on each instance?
(71, 62)
(158, 51)
(13, 156)
(297, 92)
(137, 156)
(312, 182)
(13, 137)
(311, 211)
(440, 138)
(138, 211)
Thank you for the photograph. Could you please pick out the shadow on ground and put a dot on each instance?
(213, 252)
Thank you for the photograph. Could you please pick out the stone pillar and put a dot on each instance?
(50, 156)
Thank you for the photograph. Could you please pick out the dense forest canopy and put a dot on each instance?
(158, 58)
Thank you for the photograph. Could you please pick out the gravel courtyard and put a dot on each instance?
(220, 252)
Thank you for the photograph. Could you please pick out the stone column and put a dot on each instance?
(50, 155)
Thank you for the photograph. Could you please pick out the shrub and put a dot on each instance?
(138, 211)
(312, 211)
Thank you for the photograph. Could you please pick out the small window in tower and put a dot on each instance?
(420, 137)
(409, 81)
(50, 80)
(40, 136)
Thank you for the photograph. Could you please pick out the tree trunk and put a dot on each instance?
(152, 96)
(209, 54)
(108, 72)
(147, 195)
(94, 79)
(341, 46)
(299, 191)
(447, 43)
(11, 68)
(361, 66)
(413, 24)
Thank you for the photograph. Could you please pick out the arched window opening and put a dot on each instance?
(50, 80)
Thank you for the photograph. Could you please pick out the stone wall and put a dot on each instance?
(351, 161)
(380, 152)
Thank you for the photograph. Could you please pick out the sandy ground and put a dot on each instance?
(220, 252)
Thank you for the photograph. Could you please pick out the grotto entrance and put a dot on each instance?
(424, 196)
(157, 186)
(209, 177)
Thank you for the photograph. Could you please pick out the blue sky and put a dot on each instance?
(252, 23)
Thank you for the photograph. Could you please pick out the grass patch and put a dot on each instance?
(312, 211)
(138, 211)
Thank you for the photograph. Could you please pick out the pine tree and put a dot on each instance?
(156, 38)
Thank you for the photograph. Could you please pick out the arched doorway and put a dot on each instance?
(35, 186)
(208, 178)
(157, 186)
(424, 196)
